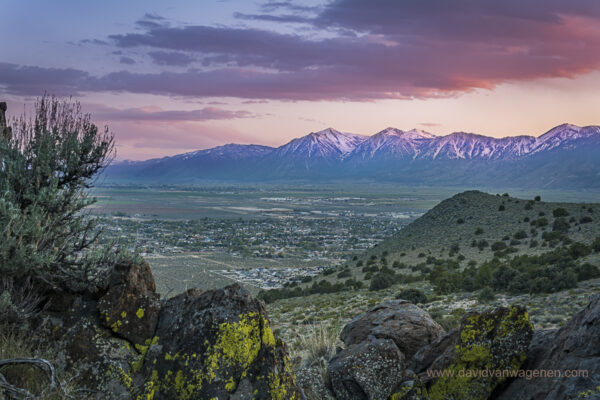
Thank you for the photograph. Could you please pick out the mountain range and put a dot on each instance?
(565, 157)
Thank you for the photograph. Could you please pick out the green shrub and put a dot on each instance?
(382, 280)
(415, 296)
(520, 235)
(540, 222)
(519, 284)
(596, 244)
(587, 271)
(47, 165)
(344, 274)
(560, 212)
(497, 246)
(486, 295)
(560, 225)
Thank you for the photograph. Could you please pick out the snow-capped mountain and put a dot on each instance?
(328, 143)
(566, 156)
(563, 136)
(228, 151)
(469, 146)
(392, 142)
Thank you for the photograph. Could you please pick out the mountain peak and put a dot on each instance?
(322, 144)
(419, 134)
(324, 132)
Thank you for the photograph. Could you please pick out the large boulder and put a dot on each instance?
(131, 305)
(490, 345)
(408, 326)
(215, 345)
(437, 352)
(574, 349)
(125, 344)
(369, 370)
(99, 360)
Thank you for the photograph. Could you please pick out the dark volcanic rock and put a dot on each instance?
(131, 305)
(427, 355)
(367, 370)
(100, 360)
(199, 345)
(311, 381)
(411, 388)
(487, 342)
(574, 347)
(216, 344)
(406, 324)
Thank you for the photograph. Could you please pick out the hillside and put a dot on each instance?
(477, 216)
(467, 242)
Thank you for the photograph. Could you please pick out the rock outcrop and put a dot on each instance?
(573, 349)
(216, 344)
(399, 320)
(488, 344)
(127, 344)
(131, 306)
(395, 334)
(370, 370)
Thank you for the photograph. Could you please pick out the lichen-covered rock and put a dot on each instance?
(312, 383)
(399, 320)
(574, 347)
(489, 345)
(369, 370)
(131, 305)
(215, 345)
(80, 343)
(427, 355)
(411, 388)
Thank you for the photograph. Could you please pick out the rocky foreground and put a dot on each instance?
(127, 343)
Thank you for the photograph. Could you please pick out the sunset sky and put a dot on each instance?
(175, 76)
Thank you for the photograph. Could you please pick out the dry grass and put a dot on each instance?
(31, 378)
(319, 344)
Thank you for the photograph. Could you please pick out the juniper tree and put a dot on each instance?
(47, 163)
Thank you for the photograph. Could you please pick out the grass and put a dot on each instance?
(318, 344)
(335, 310)
(16, 345)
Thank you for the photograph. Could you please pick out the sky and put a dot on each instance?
(171, 77)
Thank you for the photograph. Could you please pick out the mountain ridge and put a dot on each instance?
(411, 157)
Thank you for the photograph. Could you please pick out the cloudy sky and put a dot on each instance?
(170, 77)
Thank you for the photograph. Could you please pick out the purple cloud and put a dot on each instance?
(156, 114)
(127, 60)
(171, 58)
(413, 48)
(34, 81)
(287, 18)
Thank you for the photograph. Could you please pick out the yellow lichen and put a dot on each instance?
(140, 313)
(227, 360)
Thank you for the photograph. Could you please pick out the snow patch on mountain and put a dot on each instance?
(327, 143)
